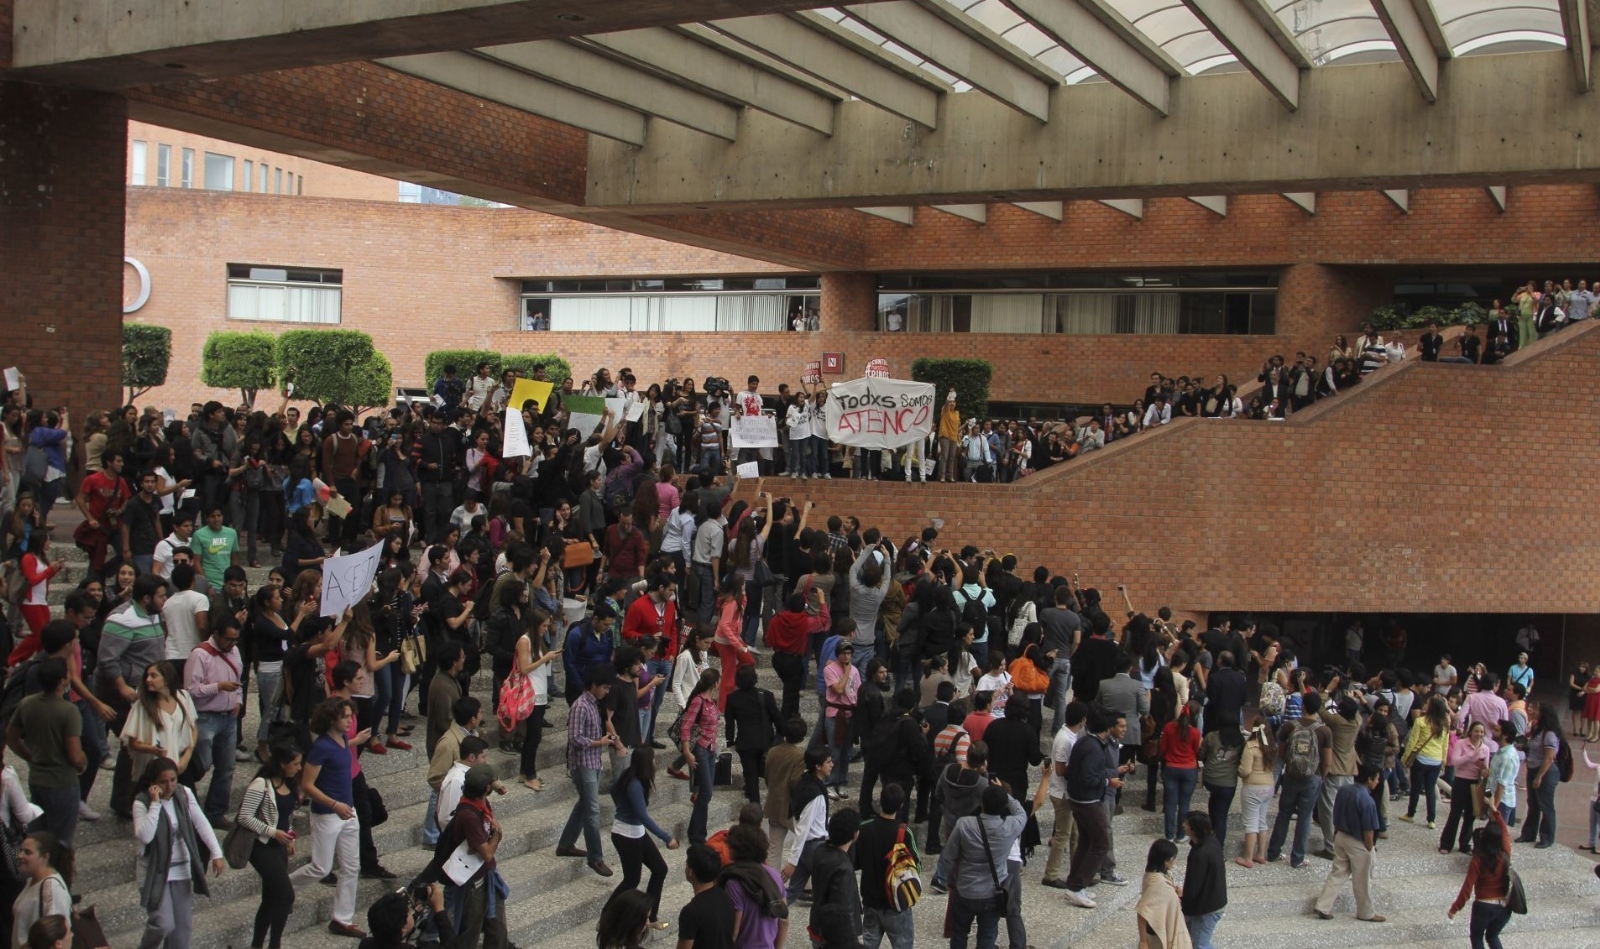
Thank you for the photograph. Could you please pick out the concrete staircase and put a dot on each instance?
(556, 901)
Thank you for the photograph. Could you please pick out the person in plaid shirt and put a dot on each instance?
(586, 739)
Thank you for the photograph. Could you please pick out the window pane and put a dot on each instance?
(262, 188)
(219, 172)
(136, 160)
(188, 168)
(163, 165)
(277, 181)
(249, 174)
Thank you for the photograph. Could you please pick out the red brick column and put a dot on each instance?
(849, 301)
(62, 192)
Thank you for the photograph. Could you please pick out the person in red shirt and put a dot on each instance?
(100, 500)
(655, 615)
(626, 548)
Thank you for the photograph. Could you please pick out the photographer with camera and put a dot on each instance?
(409, 917)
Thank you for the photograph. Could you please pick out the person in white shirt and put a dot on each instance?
(1159, 412)
(801, 463)
(474, 750)
(186, 617)
(479, 387)
(176, 839)
(182, 531)
(811, 827)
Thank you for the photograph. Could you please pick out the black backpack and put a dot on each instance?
(972, 612)
(14, 691)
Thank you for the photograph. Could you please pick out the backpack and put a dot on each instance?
(1303, 752)
(1023, 612)
(1373, 748)
(1272, 699)
(903, 882)
(618, 495)
(972, 611)
(16, 689)
(1563, 755)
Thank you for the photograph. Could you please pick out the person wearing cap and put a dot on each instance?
(586, 741)
(843, 683)
(479, 902)
(474, 751)
(588, 644)
(949, 436)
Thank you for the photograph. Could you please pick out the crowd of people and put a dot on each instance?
(619, 571)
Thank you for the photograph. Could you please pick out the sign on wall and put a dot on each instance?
(872, 412)
(833, 363)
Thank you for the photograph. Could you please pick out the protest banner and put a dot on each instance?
(346, 579)
(879, 413)
(877, 368)
(587, 412)
(516, 435)
(754, 431)
(813, 373)
(750, 469)
(526, 389)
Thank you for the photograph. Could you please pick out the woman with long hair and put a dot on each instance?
(748, 549)
(732, 650)
(693, 659)
(1469, 757)
(268, 805)
(163, 722)
(1544, 746)
(168, 821)
(537, 653)
(631, 827)
(19, 525)
(1426, 748)
(302, 549)
(1164, 703)
(1180, 751)
(698, 740)
(1159, 912)
(45, 864)
(1488, 882)
(1220, 752)
(272, 637)
(37, 571)
(1257, 765)
(506, 628)
(625, 922)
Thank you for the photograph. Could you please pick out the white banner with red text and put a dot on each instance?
(872, 412)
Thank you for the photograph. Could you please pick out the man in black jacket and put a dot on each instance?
(1205, 881)
(1094, 661)
(833, 876)
(904, 755)
(1226, 692)
(877, 838)
(752, 727)
(872, 708)
(437, 469)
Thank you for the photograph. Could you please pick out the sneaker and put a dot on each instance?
(1080, 899)
(243, 754)
(378, 872)
(1409, 818)
(85, 812)
(939, 887)
(1431, 825)
(108, 763)
(1114, 878)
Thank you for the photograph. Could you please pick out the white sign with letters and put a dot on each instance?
(346, 579)
(754, 431)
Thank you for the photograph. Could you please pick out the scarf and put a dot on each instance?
(158, 853)
(1160, 910)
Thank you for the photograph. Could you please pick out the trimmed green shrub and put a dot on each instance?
(969, 377)
(373, 387)
(556, 369)
(146, 354)
(243, 361)
(465, 360)
(329, 366)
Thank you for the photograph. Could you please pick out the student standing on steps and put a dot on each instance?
(1355, 822)
(335, 829)
(631, 827)
(586, 743)
(171, 828)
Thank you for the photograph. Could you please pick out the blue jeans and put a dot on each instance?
(1217, 806)
(1296, 799)
(752, 611)
(711, 460)
(705, 773)
(143, 563)
(585, 816)
(1424, 780)
(840, 750)
(219, 738)
(1202, 928)
(60, 806)
(659, 669)
(1177, 787)
(1487, 921)
(430, 820)
(802, 869)
(819, 448)
(1056, 697)
(878, 923)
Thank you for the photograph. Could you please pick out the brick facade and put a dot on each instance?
(319, 180)
(61, 231)
(1406, 495)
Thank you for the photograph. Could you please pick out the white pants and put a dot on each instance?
(334, 839)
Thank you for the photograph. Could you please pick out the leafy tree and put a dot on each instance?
(146, 354)
(969, 377)
(373, 387)
(243, 361)
(332, 366)
(465, 360)
(556, 369)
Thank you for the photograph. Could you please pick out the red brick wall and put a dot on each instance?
(849, 301)
(1406, 495)
(61, 201)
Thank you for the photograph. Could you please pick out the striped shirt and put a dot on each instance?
(130, 641)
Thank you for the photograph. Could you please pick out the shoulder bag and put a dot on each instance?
(240, 843)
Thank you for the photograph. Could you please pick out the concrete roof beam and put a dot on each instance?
(719, 74)
(1090, 30)
(1580, 45)
(1259, 39)
(1304, 200)
(587, 71)
(477, 76)
(899, 215)
(1054, 210)
(1009, 77)
(1411, 38)
(1216, 204)
(1132, 207)
(977, 213)
(803, 46)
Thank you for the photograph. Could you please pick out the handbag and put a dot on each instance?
(11, 838)
(516, 700)
(86, 930)
(1516, 896)
(1002, 898)
(1027, 677)
(761, 574)
(579, 553)
(413, 653)
(239, 843)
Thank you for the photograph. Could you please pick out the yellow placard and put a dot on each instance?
(526, 389)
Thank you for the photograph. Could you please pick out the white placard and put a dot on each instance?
(750, 469)
(879, 413)
(754, 431)
(515, 444)
(618, 407)
(346, 579)
(13, 379)
(462, 865)
(636, 411)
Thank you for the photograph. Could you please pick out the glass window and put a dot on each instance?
(249, 174)
(1083, 313)
(136, 161)
(188, 168)
(277, 181)
(163, 165)
(284, 294)
(299, 184)
(219, 172)
(262, 188)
